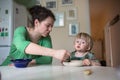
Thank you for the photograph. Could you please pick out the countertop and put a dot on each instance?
(50, 72)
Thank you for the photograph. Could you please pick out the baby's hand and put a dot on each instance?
(86, 62)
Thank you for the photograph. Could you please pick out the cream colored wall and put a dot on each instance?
(60, 36)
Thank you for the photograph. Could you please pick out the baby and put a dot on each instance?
(83, 45)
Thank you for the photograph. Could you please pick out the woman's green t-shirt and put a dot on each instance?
(20, 41)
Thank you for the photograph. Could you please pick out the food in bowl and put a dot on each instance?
(76, 63)
(21, 63)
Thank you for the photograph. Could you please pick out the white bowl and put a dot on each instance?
(76, 63)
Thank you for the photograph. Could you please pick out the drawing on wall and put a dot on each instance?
(51, 4)
(73, 29)
(67, 2)
(59, 19)
(71, 14)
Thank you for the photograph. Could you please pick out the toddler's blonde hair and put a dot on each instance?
(86, 37)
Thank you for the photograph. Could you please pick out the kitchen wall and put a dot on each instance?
(112, 43)
(101, 13)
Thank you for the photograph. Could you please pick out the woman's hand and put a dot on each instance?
(61, 55)
(11, 64)
(32, 63)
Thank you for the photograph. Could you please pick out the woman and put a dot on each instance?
(34, 40)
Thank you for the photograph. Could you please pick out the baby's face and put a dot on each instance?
(81, 45)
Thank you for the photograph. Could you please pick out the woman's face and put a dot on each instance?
(81, 45)
(45, 27)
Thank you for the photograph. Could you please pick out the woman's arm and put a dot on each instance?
(35, 49)
(25, 46)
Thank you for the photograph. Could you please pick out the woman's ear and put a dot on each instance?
(36, 22)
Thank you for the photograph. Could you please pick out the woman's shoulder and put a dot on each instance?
(20, 29)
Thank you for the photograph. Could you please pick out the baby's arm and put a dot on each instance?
(95, 63)
(88, 62)
(92, 59)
